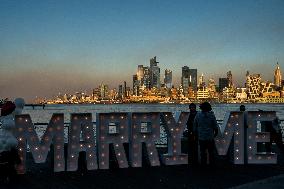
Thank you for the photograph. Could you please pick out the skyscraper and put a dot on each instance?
(168, 79)
(125, 90)
(140, 72)
(193, 79)
(185, 79)
(155, 73)
(188, 78)
(230, 79)
(223, 82)
(277, 76)
(201, 81)
(120, 92)
(136, 85)
(253, 86)
(146, 78)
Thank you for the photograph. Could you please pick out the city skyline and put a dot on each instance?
(47, 47)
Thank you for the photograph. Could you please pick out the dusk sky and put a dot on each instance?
(55, 46)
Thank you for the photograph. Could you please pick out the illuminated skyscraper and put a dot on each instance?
(277, 76)
(253, 86)
(168, 80)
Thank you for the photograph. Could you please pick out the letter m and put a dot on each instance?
(54, 134)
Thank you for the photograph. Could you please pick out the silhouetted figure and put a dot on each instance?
(242, 108)
(192, 137)
(206, 127)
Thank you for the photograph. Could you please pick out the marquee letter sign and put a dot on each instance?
(145, 128)
(112, 128)
(247, 130)
(233, 127)
(81, 124)
(258, 135)
(174, 132)
(39, 149)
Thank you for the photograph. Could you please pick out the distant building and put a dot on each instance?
(125, 90)
(188, 78)
(253, 86)
(146, 78)
(168, 79)
(211, 88)
(241, 94)
(277, 76)
(202, 93)
(140, 72)
(104, 91)
(230, 79)
(223, 82)
(155, 73)
(120, 92)
(201, 81)
(185, 79)
(193, 78)
(136, 85)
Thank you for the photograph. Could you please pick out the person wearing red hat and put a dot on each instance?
(7, 108)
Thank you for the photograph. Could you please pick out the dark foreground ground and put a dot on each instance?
(223, 175)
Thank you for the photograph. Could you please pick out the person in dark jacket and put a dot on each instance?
(206, 127)
(192, 138)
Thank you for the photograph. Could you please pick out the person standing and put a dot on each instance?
(192, 138)
(206, 127)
